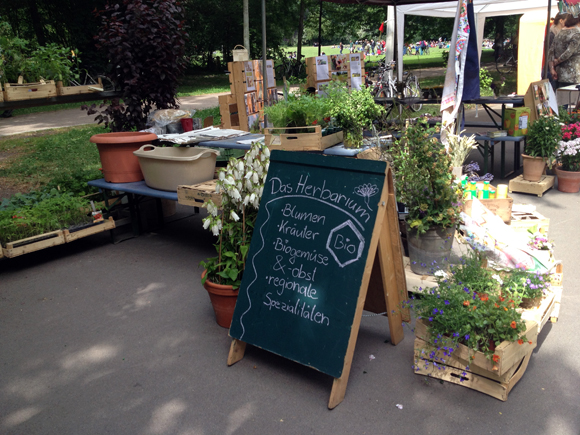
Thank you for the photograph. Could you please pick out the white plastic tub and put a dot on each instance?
(165, 168)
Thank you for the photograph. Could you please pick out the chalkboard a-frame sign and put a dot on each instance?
(320, 222)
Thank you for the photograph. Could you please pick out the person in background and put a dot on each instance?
(564, 54)
(351, 47)
(558, 24)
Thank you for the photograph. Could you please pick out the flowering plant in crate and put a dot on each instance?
(241, 185)
(467, 307)
(540, 242)
(525, 288)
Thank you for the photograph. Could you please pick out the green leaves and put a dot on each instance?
(543, 137)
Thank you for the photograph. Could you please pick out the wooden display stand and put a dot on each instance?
(538, 188)
(337, 66)
(240, 109)
(361, 261)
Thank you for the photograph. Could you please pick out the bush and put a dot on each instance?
(144, 42)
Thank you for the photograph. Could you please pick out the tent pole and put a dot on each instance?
(320, 30)
(547, 40)
(264, 57)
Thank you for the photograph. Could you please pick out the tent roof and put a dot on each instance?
(486, 8)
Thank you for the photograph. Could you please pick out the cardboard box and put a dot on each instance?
(516, 121)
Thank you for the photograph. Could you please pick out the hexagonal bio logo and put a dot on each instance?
(345, 243)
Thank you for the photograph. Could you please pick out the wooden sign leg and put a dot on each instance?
(392, 298)
(237, 350)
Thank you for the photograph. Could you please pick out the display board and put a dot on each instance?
(348, 68)
(310, 260)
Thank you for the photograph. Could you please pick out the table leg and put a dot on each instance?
(502, 165)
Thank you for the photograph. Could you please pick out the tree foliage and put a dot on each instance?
(145, 42)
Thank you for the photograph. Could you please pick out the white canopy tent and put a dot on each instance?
(482, 9)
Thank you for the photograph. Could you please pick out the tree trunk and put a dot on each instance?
(300, 29)
(36, 24)
(247, 28)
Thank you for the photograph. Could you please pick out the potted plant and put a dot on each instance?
(526, 289)
(467, 319)
(568, 158)
(241, 184)
(353, 112)
(423, 180)
(543, 137)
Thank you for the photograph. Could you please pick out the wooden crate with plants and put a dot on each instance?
(76, 90)
(300, 138)
(70, 235)
(29, 91)
(192, 195)
(34, 243)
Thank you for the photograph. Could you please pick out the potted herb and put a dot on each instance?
(241, 184)
(467, 319)
(354, 111)
(568, 158)
(541, 143)
(423, 180)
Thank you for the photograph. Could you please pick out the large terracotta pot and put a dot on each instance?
(116, 152)
(533, 167)
(430, 251)
(223, 300)
(568, 181)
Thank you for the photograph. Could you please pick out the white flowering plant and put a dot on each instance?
(241, 184)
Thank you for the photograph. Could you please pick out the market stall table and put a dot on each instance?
(135, 192)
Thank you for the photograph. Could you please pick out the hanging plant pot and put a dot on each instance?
(223, 300)
(116, 153)
(568, 181)
(533, 167)
(430, 251)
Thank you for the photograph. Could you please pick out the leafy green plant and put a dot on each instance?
(422, 172)
(241, 184)
(519, 284)
(354, 111)
(485, 81)
(37, 213)
(300, 111)
(468, 307)
(543, 137)
(144, 41)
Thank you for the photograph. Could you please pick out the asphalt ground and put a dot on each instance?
(102, 338)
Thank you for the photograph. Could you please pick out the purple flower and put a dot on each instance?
(435, 310)
(447, 302)
(456, 334)
(467, 337)
(430, 319)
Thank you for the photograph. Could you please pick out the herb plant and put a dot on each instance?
(543, 137)
(241, 185)
(423, 180)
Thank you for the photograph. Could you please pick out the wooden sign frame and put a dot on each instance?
(384, 271)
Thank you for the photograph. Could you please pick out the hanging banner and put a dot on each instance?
(453, 87)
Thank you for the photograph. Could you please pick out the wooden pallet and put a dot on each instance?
(483, 381)
(196, 194)
(32, 244)
(89, 231)
(538, 188)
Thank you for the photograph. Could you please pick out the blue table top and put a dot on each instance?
(337, 150)
(137, 187)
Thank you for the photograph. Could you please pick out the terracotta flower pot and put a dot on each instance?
(223, 300)
(116, 152)
(533, 167)
(568, 181)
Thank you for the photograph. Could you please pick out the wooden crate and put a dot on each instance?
(313, 141)
(501, 207)
(192, 195)
(509, 353)
(75, 90)
(483, 381)
(96, 228)
(32, 244)
(29, 91)
(417, 283)
(557, 290)
(541, 314)
(538, 188)
(523, 221)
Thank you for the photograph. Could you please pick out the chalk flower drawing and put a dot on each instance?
(366, 191)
